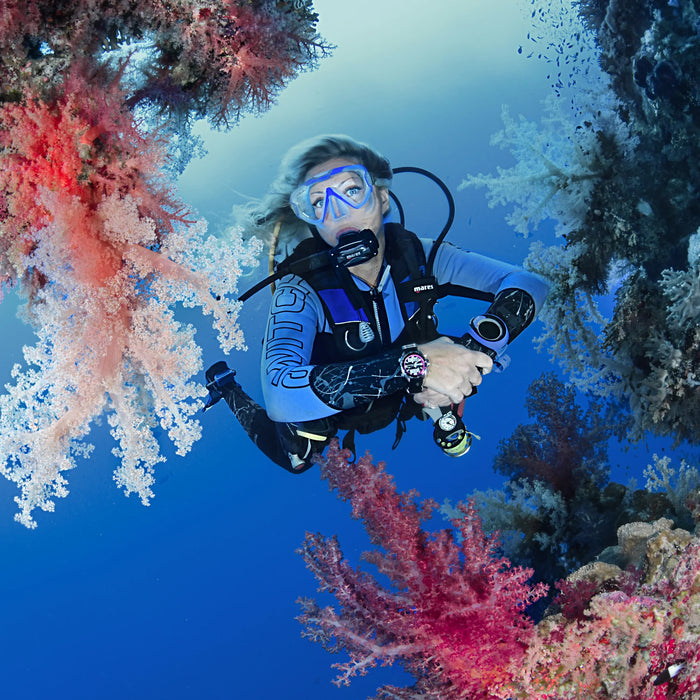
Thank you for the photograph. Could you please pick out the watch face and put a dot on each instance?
(414, 365)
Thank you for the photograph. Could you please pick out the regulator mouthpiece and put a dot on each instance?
(354, 248)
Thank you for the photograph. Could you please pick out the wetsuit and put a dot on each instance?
(312, 381)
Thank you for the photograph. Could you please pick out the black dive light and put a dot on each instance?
(354, 248)
(450, 433)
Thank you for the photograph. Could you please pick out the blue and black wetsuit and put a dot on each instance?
(332, 346)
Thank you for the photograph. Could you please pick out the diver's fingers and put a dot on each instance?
(483, 362)
(431, 398)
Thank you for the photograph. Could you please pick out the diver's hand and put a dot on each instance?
(454, 371)
(431, 398)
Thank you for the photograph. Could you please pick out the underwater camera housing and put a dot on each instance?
(354, 248)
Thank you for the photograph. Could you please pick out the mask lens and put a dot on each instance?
(333, 191)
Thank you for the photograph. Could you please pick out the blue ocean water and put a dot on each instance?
(194, 596)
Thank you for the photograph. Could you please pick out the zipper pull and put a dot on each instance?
(365, 332)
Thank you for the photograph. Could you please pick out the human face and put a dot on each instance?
(345, 200)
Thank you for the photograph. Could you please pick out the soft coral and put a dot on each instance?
(455, 614)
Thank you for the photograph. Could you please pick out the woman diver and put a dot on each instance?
(351, 341)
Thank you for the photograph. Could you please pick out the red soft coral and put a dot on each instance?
(455, 615)
(88, 218)
(86, 146)
(566, 445)
(621, 644)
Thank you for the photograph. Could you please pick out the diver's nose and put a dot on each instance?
(337, 208)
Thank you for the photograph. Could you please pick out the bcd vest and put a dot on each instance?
(347, 309)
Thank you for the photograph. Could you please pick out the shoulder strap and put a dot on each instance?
(416, 288)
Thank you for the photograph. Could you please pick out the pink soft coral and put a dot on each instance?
(455, 614)
(95, 239)
(624, 639)
(82, 147)
(90, 230)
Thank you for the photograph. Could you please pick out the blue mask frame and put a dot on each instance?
(334, 201)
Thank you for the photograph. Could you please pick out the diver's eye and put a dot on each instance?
(353, 189)
(317, 203)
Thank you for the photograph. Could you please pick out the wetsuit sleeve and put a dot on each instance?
(296, 390)
(479, 272)
(515, 294)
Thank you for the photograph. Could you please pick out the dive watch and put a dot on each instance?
(414, 366)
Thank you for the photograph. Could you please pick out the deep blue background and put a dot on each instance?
(194, 596)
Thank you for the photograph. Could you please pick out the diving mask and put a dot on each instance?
(335, 191)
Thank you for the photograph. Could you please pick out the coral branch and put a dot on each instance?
(455, 612)
(634, 111)
(91, 231)
(618, 640)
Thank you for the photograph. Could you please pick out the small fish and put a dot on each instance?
(671, 672)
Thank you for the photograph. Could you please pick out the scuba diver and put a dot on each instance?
(352, 341)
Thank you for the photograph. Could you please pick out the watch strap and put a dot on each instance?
(414, 366)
